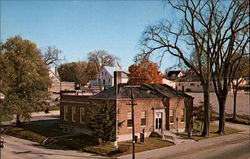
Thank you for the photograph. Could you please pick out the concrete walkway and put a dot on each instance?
(177, 150)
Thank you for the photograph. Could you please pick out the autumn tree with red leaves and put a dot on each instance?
(145, 72)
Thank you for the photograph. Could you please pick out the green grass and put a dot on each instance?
(109, 150)
(36, 133)
(212, 129)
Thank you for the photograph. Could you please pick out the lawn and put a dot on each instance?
(36, 133)
(126, 147)
(213, 128)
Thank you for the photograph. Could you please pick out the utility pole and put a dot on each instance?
(133, 121)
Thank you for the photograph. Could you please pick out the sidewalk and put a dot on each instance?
(185, 147)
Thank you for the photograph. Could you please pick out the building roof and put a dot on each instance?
(173, 73)
(142, 91)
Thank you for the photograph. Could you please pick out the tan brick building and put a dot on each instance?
(159, 108)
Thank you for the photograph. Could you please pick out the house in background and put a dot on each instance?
(175, 74)
(192, 86)
(107, 77)
(57, 84)
(159, 108)
(169, 82)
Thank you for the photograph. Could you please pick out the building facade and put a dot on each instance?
(158, 108)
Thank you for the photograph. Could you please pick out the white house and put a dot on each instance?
(192, 86)
(107, 78)
(169, 82)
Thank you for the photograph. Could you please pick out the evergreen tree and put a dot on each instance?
(102, 120)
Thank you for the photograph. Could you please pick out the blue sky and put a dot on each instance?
(79, 27)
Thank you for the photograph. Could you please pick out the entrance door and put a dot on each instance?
(158, 121)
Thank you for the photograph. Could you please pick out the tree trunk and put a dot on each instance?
(234, 112)
(222, 102)
(18, 122)
(206, 94)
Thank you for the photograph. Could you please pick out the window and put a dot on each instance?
(104, 81)
(143, 118)
(171, 116)
(105, 73)
(66, 113)
(73, 114)
(109, 80)
(183, 115)
(191, 84)
(81, 115)
(129, 119)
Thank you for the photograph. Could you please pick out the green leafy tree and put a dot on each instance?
(67, 72)
(25, 78)
(102, 120)
(79, 72)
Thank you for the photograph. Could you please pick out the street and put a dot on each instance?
(233, 146)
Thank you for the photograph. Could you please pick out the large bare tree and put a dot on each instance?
(102, 58)
(210, 29)
(50, 55)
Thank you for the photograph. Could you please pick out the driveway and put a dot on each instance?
(16, 148)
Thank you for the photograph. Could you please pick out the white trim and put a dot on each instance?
(162, 111)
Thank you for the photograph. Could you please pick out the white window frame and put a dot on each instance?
(82, 110)
(129, 119)
(145, 118)
(73, 113)
(184, 114)
(169, 116)
(65, 112)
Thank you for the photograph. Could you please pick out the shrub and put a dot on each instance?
(154, 134)
(123, 148)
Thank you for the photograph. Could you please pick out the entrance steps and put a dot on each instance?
(171, 137)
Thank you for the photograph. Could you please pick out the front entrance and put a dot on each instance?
(158, 121)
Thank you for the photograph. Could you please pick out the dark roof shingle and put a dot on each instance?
(143, 91)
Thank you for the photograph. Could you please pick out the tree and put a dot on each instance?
(102, 120)
(144, 72)
(25, 78)
(241, 71)
(213, 32)
(101, 58)
(67, 72)
(79, 72)
(51, 56)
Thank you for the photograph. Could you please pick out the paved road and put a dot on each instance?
(234, 146)
(16, 148)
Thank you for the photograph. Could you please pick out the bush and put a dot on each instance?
(123, 148)
(198, 111)
(154, 134)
